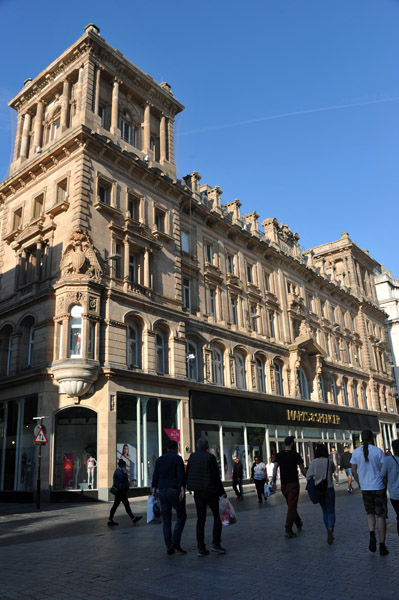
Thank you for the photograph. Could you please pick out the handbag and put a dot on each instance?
(311, 490)
(113, 490)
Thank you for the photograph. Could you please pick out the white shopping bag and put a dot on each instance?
(227, 512)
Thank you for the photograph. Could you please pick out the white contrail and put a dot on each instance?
(290, 114)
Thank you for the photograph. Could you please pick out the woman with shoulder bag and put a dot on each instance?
(390, 471)
(258, 476)
(322, 469)
(121, 484)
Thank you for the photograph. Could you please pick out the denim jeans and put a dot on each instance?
(327, 503)
(169, 499)
(202, 500)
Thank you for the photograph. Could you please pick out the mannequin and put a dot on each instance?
(91, 465)
(76, 469)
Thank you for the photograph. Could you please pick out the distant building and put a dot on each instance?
(135, 307)
(387, 288)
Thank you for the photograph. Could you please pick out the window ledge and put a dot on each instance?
(102, 207)
(162, 235)
(58, 208)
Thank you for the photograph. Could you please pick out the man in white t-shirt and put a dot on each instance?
(366, 463)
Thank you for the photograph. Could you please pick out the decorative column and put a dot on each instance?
(18, 135)
(22, 271)
(138, 421)
(159, 416)
(38, 130)
(162, 140)
(25, 135)
(171, 150)
(65, 104)
(147, 268)
(145, 453)
(97, 91)
(114, 107)
(146, 129)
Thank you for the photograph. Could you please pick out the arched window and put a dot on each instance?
(192, 360)
(260, 375)
(28, 338)
(5, 350)
(303, 384)
(239, 363)
(75, 332)
(278, 371)
(217, 366)
(162, 352)
(134, 345)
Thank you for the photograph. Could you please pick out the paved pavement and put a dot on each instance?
(68, 552)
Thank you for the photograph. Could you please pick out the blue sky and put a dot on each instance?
(292, 106)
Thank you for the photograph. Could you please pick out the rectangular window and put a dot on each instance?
(185, 242)
(254, 318)
(187, 294)
(17, 220)
(133, 207)
(118, 263)
(233, 310)
(54, 129)
(61, 191)
(250, 273)
(322, 308)
(267, 282)
(160, 220)
(38, 206)
(91, 340)
(230, 264)
(104, 192)
(272, 325)
(136, 137)
(310, 303)
(209, 253)
(126, 131)
(212, 302)
(132, 268)
(327, 345)
(102, 113)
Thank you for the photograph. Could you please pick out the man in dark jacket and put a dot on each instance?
(345, 463)
(238, 473)
(169, 480)
(204, 480)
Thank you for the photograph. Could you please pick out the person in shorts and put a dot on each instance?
(346, 466)
(366, 464)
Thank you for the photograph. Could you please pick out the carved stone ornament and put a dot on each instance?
(79, 260)
(92, 303)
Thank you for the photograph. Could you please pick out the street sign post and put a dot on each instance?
(40, 439)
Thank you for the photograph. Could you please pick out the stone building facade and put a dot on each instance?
(135, 307)
(387, 288)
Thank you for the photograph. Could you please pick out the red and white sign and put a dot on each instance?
(173, 434)
(40, 437)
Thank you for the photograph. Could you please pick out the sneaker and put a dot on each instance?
(170, 550)
(136, 519)
(202, 552)
(179, 549)
(373, 542)
(111, 522)
(351, 490)
(300, 527)
(348, 490)
(289, 534)
(330, 536)
(217, 548)
(383, 550)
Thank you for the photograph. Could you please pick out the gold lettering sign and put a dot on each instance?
(312, 417)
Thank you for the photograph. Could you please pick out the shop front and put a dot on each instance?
(247, 427)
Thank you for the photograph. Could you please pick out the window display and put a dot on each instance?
(75, 449)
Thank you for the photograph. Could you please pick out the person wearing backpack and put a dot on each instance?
(322, 469)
